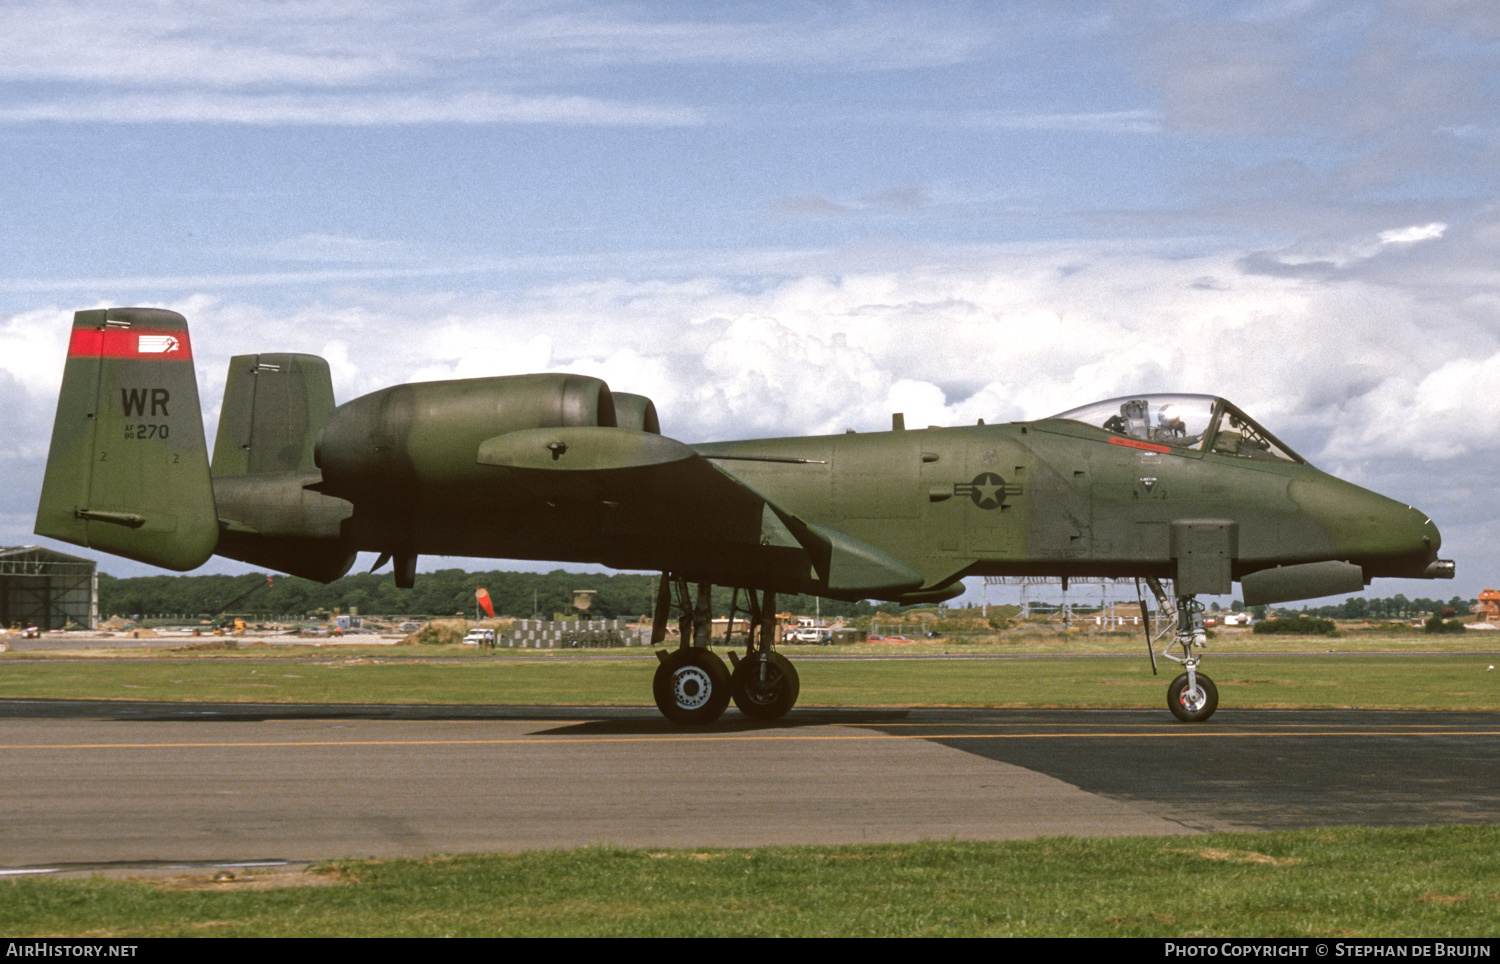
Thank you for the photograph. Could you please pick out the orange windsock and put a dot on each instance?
(484, 600)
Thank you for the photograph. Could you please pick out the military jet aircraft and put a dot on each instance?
(1181, 488)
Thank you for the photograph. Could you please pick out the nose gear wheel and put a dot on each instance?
(1192, 705)
(1192, 697)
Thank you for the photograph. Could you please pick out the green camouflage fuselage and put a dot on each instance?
(557, 467)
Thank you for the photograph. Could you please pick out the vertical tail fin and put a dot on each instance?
(127, 472)
(275, 404)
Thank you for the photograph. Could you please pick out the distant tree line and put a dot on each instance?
(1357, 607)
(446, 592)
(1312, 626)
(1396, 607)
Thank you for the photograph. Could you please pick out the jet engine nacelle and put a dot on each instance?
(431, 431)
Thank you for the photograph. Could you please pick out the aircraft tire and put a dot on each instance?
(771, 700)
(691, 687)
(1186, 710)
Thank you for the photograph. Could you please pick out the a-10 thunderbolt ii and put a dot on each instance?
(1181, 488)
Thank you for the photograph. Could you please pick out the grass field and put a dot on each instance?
(1344, 883)
(1011, 643)
(1434, 681)
(1325, 883)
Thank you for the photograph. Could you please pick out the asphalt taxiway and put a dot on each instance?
(95, 784)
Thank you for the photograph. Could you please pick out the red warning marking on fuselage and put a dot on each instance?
(1137, 444)
(144, 343)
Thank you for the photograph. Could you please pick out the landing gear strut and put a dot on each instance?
(1192, 697)
(693, 686)
(765, 684)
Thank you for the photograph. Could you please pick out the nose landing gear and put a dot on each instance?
(1192, 697)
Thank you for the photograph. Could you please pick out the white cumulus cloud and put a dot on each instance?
(1413, 234)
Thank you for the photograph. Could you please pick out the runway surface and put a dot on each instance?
(93, 784)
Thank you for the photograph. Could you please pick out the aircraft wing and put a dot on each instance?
(657, 486)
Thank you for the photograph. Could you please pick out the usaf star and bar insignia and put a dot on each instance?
(987, 490)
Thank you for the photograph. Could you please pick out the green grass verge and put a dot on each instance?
(1323, 883)
(1428, 682)
(1013, 643)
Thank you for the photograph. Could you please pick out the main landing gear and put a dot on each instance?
(693, 686)
(1192, 697)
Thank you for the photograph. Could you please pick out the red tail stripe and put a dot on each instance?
(151, 344)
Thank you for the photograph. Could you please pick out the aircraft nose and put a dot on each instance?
(1387, 537)
(1430, 534)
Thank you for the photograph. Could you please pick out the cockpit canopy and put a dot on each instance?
(1191, 422)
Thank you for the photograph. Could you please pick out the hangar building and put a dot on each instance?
(48, 589)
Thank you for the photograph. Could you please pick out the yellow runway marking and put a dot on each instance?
(1173, 727)
(747, 737)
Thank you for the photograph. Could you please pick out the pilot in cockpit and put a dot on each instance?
(1169, 424)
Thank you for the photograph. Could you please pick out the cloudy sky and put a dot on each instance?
(789, 217)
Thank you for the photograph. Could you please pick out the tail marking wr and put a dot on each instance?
(134, 401)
